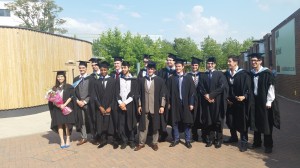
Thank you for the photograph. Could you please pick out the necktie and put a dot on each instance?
(195, 79)
(180, 85)
(209, 77)
(117, 75)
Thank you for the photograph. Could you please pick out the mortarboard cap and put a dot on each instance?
(84, 63)
(257, 55)
(147, 56)
(95, 60)
(171, 55)
(211, 59)
(117, 58)
(196, 60)
(179, 61)
(125, 63)
(151, 65)
(104, 64)
(60, 72)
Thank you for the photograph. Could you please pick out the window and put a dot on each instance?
(4, 12)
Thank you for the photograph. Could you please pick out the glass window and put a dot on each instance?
(4, 12)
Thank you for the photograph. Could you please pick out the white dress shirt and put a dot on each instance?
(125, 88)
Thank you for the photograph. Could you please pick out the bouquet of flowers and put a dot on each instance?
(53, 96)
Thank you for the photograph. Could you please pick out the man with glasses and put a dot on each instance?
(266, 114)
(143, 72)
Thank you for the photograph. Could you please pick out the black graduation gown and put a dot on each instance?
(165, 74)
(158, 121)
(131, 114)
(105, 97)
(238, 114)
(140, 75)
(113, 74)
(197, 117)
(180, 110)
(217, 88)
(262, 119)
(57, 117)
(89, 115)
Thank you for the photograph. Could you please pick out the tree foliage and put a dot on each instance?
(132, 47)
(41, 15)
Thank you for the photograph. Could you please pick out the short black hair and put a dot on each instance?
(234, 58)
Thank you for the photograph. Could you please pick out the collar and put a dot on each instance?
(210, 70)
(261, 69)
(105, 77)
(129, 76)
(83, 76)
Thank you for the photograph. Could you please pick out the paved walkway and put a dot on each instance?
(27, 142)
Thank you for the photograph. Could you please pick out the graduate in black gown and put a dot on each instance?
(94, 77)
(196, 75)
(60, 123)
(105, 101)
(117, 72)
(83, 85)
(126, 93)
(266, 114)
(182, 93)
(143, 71)
(213, 88)
(165, 74)
(239, 102)
(152, 102)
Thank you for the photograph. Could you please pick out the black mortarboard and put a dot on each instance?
(84, 63)
(179, 61)
(196, 60)
(60, 72)
(257, 55)
(171, 55)
(125, 63)
(211, 59)
(95, 60)
(117, 58)
(147, 56)
(151, 65)
(104, 64)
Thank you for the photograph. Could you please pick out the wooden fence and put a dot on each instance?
(27, 61)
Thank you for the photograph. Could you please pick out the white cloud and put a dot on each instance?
(263, 5)
(115, 7)
(198, 26)
(83, 29)
(135, 15)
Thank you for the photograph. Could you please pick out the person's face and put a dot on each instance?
(60, 78)
(255, 63)
(151, 71)
(95, 67)
(170, 62)
(125, 70)
(103, 71)
(210, 65)
(231, 64)
(146, 61)
(179, 68)
(82, 69)
(195, 67)
(117, 65)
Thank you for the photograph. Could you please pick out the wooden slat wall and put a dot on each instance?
(27, 61)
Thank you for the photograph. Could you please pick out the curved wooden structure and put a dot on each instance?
(27, 61)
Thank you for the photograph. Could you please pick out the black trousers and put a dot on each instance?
(243, 135)
(215, 132)
(268, 140)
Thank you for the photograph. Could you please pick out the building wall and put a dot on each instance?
(28, 59)
(289, 85)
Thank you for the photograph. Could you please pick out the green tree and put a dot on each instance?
(210, 47)
(231, 47)
(186, 48)
(41, 15)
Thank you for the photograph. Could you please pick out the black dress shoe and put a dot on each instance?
(174, 143)
(243, 147)
(115, 145)
(163, 138)
(123, 146)
(218, 144)
(231, 140)
(188, 145)
(268, 150)
(131, 145)
(254, 146)
(102, 144)
(208, 144)
(194, 139)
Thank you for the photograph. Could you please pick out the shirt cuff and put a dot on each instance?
(128, 100)
(120, 102)
(269, 103)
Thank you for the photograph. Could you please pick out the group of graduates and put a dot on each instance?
(121, 105)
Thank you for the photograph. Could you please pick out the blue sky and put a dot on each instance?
(169, 19)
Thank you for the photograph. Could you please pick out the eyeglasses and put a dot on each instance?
(254, 60)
